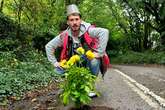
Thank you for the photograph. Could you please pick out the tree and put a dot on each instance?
(156, 9)
(18, 7)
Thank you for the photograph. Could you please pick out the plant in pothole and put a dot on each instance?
(78, 80)
(78, 83)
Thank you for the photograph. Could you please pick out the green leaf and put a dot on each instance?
(85, 99)
(65, 98)
(87, 89)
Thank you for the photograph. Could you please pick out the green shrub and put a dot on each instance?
(148, 57)
(7, 26)
(8, 44)
(17, 77)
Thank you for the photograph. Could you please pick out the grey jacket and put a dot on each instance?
(101, 33)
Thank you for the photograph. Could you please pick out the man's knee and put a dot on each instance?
(95, 62)
(95, 66)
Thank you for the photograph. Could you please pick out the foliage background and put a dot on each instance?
(136, 25)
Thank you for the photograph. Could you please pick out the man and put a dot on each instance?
(76, 31)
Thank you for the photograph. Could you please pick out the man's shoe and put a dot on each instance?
(92, 94)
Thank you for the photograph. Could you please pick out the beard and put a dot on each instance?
(75, 28)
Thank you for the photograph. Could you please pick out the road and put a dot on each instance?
(119, 88)
(151, 77)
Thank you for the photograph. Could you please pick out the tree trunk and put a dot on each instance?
(146, 33)
(67, 2)
(162, 32)
(162, 38)
(1, 6)
(19, 11)
(77, 2)
(19, 25)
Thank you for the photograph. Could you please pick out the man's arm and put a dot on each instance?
(103, 35)
(51, 47)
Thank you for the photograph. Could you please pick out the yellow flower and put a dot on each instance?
(69, 63)
(80, 50)
(77, 58)
(65, 66)
(73, 60)
(90, 55)
(63, 63)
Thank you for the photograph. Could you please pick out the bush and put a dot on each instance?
(131, 57)
(18, 76)
(8, 44)
(7, 26)
(40, 40)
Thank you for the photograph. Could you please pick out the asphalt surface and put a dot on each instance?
(118, 93)
(152, 77)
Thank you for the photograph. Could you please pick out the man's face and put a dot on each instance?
(74, 22)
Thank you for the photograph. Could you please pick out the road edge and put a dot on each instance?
(144, 89)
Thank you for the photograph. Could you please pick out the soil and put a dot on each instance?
(44, 99)
(87, 107)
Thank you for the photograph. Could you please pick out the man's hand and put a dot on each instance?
(56, 64)
(97, 55)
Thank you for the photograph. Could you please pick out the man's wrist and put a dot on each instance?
(56, 64)
(97, 55)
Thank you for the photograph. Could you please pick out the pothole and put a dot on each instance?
(87, 107)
